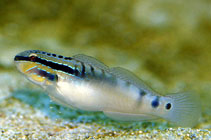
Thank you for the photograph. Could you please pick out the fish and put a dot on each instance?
(83, 82)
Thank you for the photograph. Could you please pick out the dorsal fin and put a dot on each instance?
(128, 76)
(90, 60)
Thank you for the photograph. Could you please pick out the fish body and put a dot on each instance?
(82, 82)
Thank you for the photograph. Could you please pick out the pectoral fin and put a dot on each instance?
(60, 102)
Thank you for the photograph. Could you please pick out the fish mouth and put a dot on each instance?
(21, 58)
(18, 65)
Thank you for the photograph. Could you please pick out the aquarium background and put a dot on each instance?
(166, 43)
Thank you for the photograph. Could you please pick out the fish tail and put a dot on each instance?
(185, 110)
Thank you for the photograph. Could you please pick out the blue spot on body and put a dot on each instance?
(155, 103)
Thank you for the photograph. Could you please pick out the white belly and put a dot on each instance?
(90, 96)
(96, 96)
(81, 95)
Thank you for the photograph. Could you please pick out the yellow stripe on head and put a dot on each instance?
(37, 78)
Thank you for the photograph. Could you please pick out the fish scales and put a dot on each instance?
(85, 83)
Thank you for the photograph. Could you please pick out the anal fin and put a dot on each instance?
(129, 117)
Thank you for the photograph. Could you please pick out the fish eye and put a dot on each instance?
(32, 56)
(168, 106)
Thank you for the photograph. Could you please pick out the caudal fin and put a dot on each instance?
(185, 111)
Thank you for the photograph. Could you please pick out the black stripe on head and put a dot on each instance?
(20, 58)
(56, 66)
(42, 73)
(53, 65)
(51, 77)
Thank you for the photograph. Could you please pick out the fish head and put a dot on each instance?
(29, 63)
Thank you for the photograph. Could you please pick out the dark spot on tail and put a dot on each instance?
(168, 106)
